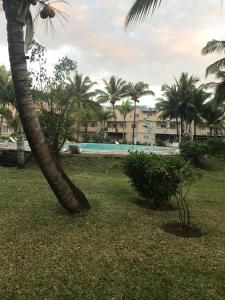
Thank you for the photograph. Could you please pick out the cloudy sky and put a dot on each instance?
(153, 52)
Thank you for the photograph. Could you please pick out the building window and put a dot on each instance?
(146, 137)
(111, 125)
(163, 125)
(5, 129)
(172, 126)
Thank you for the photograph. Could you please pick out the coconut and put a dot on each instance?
(52, 13)
(43, 14)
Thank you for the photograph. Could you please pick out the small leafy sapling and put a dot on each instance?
(187, 176)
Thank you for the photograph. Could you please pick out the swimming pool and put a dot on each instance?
(121, 148)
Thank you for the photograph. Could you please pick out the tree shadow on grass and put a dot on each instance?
(166, 206)
(177, 230)
(210, 163)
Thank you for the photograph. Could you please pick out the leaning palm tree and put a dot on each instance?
(135, 92)
(125, 108)
(114, 90)
(18, 16)
(81, 93)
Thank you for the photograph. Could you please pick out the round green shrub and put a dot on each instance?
(215, 146)
(154, 177)
(192, 151)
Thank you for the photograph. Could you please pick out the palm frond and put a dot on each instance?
(214, 46)
(29, 31)
(140, 10)
(215, 67)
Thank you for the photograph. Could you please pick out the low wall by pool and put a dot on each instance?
(92, 148)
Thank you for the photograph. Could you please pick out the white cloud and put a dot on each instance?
(154, 52)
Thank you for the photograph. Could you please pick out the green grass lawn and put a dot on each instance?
(117, 250)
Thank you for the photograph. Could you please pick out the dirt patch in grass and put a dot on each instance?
(177, 230)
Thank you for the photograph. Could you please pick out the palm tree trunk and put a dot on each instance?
(124, 124)
(1, 124)
(182, 127)
(134, 124)
(68, 195)
(115, 121)
(85, 131)
(178, 132)
(20, 150)
(195, 131)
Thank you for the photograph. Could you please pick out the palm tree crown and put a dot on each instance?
(217, 47)
(115, 89)
(135, 92)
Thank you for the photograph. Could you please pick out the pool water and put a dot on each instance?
(92, 147)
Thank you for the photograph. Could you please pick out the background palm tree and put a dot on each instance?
(214, 117)
(86, 116)
(80, 90)
(14, 123)
(169, 106)
(125, 108)
(18, 15)
(115, 89)
(135, 92)
(104, 117)
(200, 96)
(185, 87)
(183, 101)
(6, 91)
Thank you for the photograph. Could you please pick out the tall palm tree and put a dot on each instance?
(104, 117)
(179, 102)
(125, 108)
(18, 16)
(114, 90)
(81, 92)
(200, 96)
(169, 105)
(185, 86)
(86, 115)
(135, 92)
